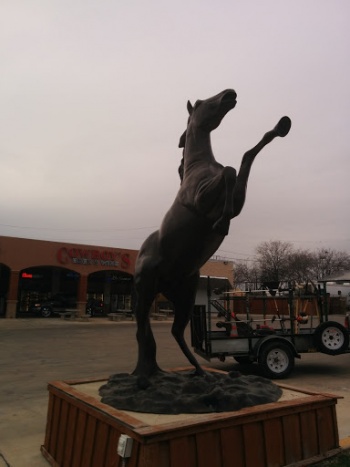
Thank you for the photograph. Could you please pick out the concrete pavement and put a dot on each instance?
(36, 351)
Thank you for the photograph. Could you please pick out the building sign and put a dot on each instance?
(87, 257)
(29, 275)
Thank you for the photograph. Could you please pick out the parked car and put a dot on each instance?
(94, 307)
(55, 304)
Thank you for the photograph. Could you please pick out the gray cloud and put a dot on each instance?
(93, 101)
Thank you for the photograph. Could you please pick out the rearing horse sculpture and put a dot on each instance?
(194, 227)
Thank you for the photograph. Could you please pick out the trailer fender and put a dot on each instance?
(268, 339)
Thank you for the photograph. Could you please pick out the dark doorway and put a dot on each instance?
(4, 286)
(114, 288)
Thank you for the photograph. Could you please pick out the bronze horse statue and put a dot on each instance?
(192, 230)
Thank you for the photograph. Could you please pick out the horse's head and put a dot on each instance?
(207, 114)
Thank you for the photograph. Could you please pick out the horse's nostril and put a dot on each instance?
(230, 96)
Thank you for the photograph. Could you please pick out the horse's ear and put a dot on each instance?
(189, 107)
(182, 141)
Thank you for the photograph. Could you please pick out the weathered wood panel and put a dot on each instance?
(62, 431)
(100, 445)
(71, 433)
(274, 442)
(254, 444)
(79, 438)
(111, 453)
(326, 428)
(208, 449)
(55, 417)
(82, 432)
(292, 439)
(308, 433)
(183, 452)
(232, 444)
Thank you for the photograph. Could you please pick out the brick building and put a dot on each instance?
(37, 270)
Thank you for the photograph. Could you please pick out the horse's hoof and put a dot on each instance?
(143, 382)
(283, 126)
(199, 372)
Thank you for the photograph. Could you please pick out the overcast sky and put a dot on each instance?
(93, 101)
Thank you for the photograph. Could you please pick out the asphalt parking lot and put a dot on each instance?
(36, 351)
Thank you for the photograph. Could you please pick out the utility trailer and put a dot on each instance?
(270, 327)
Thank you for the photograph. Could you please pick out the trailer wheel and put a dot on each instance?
(331, 338)
(276, 359)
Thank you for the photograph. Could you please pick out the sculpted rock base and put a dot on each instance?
(184, 392)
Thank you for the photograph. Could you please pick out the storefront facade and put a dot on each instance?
(34, 273)
(37, 271)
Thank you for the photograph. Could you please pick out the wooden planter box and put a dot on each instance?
(82, 432)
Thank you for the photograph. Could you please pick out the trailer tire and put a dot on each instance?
(331, 338)
(276, 360)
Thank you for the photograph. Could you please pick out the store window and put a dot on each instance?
(114, 288)
(40, 285)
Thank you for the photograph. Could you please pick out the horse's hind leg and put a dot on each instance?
(183, 299)
(147, 348)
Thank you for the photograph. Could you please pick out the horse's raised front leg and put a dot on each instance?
(281, 129)
(183, 299)
(222, 225)
(214, 198)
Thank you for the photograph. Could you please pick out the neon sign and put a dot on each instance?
(93, 257)
(26, 275)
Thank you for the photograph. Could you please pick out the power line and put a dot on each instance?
(75, 230)
(235, 253)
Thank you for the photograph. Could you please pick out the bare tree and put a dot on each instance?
(328, 261)
(244, 274)
(278, 261)
(273, 260)
(301, 266)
